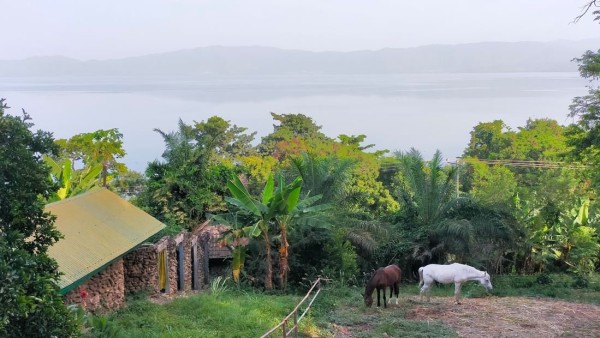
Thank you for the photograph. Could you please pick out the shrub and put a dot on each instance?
(544, 279)
(580, 282)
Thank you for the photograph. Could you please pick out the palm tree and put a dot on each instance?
(331, 177)
(428, 193)
(328, 176)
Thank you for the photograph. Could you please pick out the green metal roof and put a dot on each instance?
(98, 227)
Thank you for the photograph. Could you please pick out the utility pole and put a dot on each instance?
(457, 177)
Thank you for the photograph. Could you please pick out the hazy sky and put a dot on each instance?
(119, 28)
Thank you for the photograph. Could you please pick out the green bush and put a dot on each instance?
(544, 279)
(580, 282)
(30, 303)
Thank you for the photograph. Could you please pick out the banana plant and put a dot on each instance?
(279, 206)
(260, 219)
(72, 182)
(579, 243)
(236, 238)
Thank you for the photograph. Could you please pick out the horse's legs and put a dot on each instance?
(396, 291)
(457, 292)
(378, 301)
(425, 290)
(384, 300)
(393, 290)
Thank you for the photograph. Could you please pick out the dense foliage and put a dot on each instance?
(31, 304)
(518, 201)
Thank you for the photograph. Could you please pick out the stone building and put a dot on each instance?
(104, 254)
(172, 264)
(217, 256)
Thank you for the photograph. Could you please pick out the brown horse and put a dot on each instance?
(382, 278)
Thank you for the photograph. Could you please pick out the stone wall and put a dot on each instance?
(141, 270)
(172, 265)
(189, 241)
(104, 291)
(138, 271)
(141, 266)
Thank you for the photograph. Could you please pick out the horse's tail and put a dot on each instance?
(421, 277)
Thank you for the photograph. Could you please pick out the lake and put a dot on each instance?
(396, 112)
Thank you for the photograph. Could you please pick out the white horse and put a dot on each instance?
(453, 273)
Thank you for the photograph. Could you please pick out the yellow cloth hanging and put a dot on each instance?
(162, 270)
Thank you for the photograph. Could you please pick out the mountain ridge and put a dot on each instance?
(480, 57)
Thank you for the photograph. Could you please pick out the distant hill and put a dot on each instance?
(483, 57)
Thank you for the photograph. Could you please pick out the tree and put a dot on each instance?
(129, 184)
(257, 169)
(192, 179)
(493, 186)
(445, 226)
(225, 141)
(328, 176)
(31, 303)
(584, 134)
(352, 233)
(333, 178)
(539, 140)
(487, 140)
(586, 8)
(101, 147)
(427, 194)
(295, 134)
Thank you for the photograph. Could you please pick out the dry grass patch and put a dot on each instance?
(511, 317)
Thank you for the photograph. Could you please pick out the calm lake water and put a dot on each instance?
(396, 112)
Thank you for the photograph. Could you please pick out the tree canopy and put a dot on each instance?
(31, 304)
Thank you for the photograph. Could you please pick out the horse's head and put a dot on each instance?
(368, 299)
(486, 281)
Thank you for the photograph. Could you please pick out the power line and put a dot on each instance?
(511, 163)
(526, 164)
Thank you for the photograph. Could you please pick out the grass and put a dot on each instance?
(226, 311)
(343, 307)
(229, 314)
(341, 310)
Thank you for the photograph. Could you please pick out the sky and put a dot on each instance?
(109, 29)
(115, 28)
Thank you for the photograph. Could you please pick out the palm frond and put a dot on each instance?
(327, 176)
(362, 240)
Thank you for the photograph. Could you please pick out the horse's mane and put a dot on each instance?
(474, 270)
(371, 284)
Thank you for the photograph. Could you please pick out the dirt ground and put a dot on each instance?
(511, 317)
